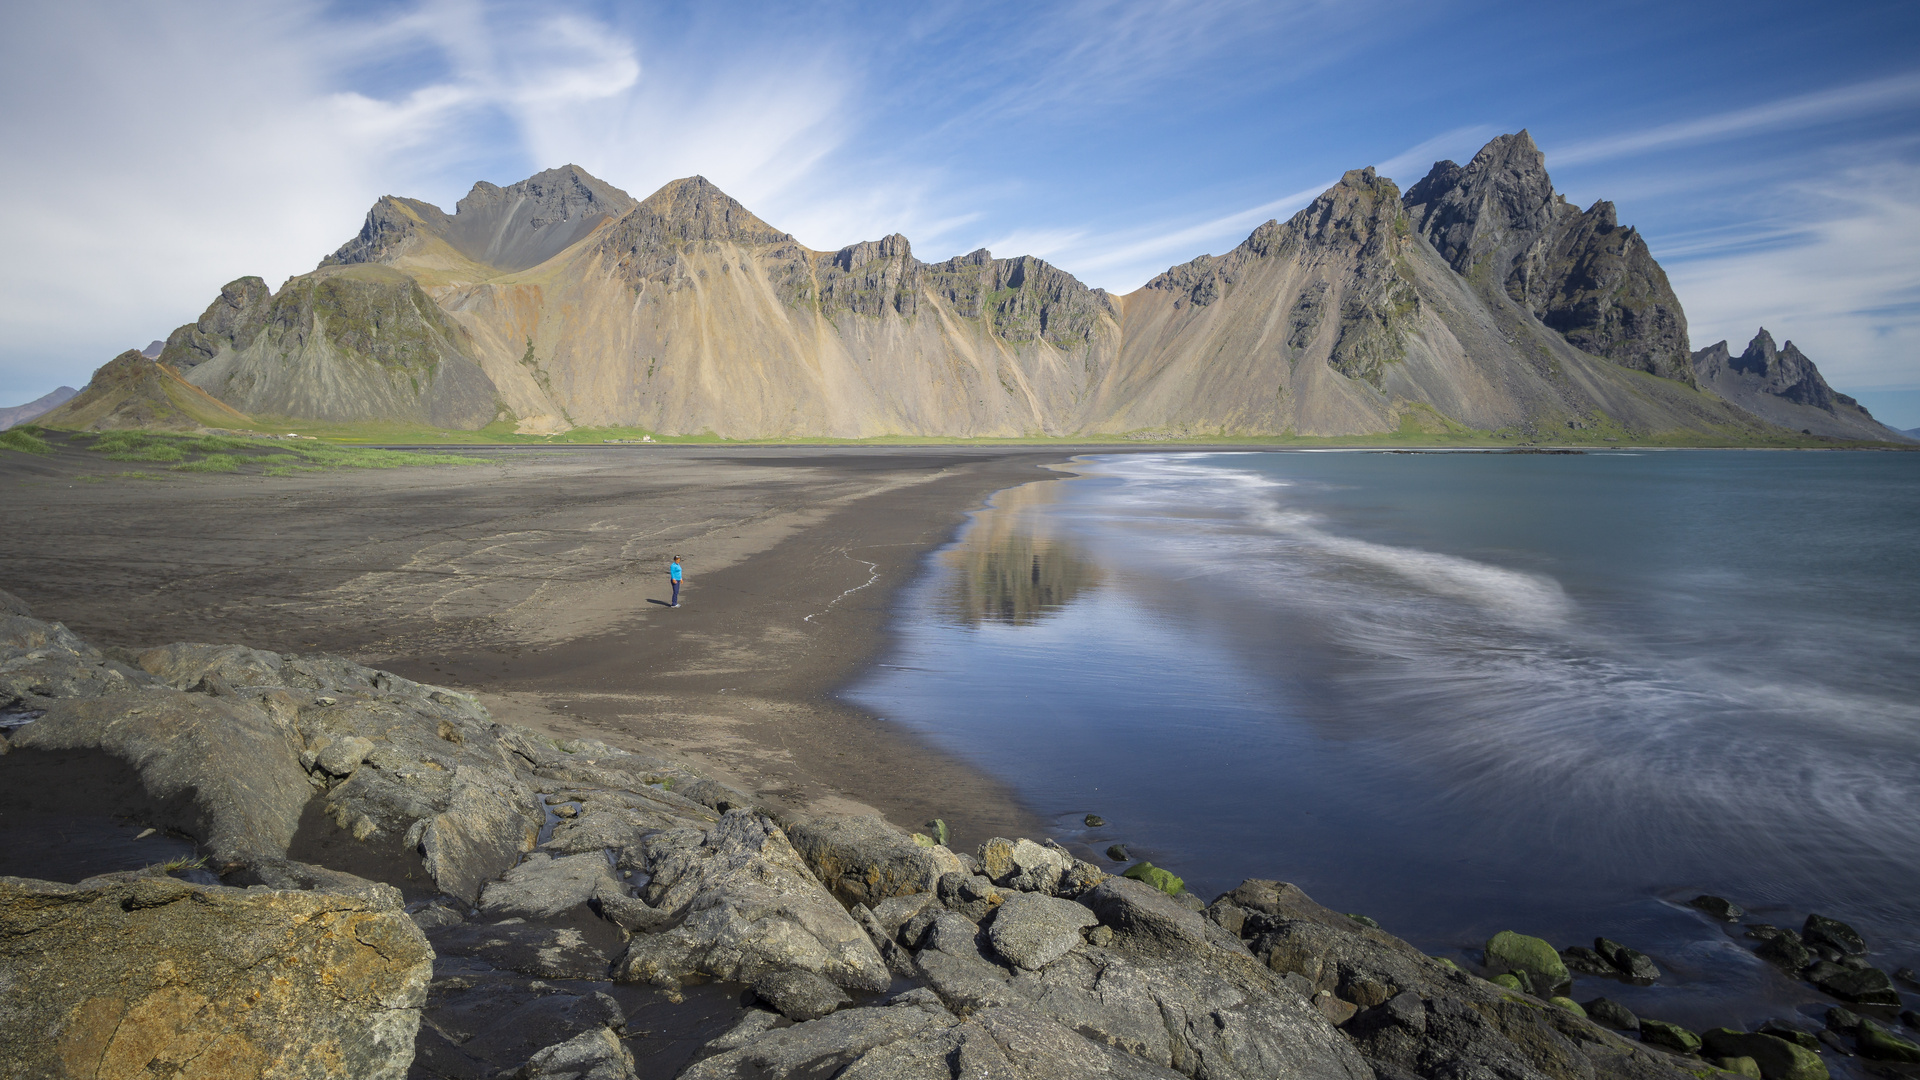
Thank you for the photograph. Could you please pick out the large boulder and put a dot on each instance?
(220, 769)
(1410, 1014)
(1862, 985)
(42, 662)
(1023, 865)
(1509, 951)
(1834, 934)
(919, 1038)
(864, 860)
(1778, 1059)
(487, 824)
(744, 905)
(1132, 908)
(1033, 930)
(594, 1054)
(546, 888)
(155, 976)
(184, 664)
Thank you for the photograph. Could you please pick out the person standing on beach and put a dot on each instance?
(673, 575)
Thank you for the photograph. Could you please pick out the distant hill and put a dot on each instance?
(1480, 297)
(38, 407)
(131, 391)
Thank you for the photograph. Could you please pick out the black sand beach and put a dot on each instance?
(538, 581)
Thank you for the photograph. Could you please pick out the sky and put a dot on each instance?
(1768, 152)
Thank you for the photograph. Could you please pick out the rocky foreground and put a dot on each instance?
(393, 884)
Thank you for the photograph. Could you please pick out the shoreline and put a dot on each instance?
(819, 607)
(534, 584)
(744, 682)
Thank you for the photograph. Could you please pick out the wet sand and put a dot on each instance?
(538, 581)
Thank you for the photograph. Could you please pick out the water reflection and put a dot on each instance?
(1013, 566)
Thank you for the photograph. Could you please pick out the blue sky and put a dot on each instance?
(1770, 152)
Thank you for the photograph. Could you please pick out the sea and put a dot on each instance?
(1461, 692)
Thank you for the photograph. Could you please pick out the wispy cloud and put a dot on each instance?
(1843, 284)
(137, 181)
(1122, 260)
(1839, 102)
(1179, 243)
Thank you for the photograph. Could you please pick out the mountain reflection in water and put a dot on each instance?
(1011, 568)
(1461, 693)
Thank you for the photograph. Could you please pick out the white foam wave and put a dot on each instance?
(1517, 596)
(1518, 694)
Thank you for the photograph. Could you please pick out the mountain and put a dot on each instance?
(1782, 386)
(131, 391)
(153, 349)
(20, 414)
(343, 343)
(1499, 223)
(1480, 298)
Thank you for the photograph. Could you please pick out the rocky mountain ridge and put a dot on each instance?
(1782, 386)
(1499, 223)
(1479, 299)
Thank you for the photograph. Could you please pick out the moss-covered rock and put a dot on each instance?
(1777, 1058)
(1510, 951)
(1881, 1045)
(1568, 1004)
(1152, 875)
(1669, 1036)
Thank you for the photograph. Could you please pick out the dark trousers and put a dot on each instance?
(676, 594)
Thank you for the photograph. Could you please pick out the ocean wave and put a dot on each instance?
(1494, 679)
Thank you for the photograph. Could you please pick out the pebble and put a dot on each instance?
(1095, 821)
(1118, 853)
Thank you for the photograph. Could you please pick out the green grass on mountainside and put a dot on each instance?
(236, 453)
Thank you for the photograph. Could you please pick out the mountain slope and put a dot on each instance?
(690, 314)
(1344, 320)
(131, 391)
(343, 343)
(1782, 386)
(46, 403)
(1481, 299)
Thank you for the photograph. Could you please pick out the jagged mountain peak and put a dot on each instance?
(694, 208)
(1760, 353)
(1782, 385)
(508, 228)
(1358, 210)
(569, 189)
(1497, 205)
(1499, 223)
